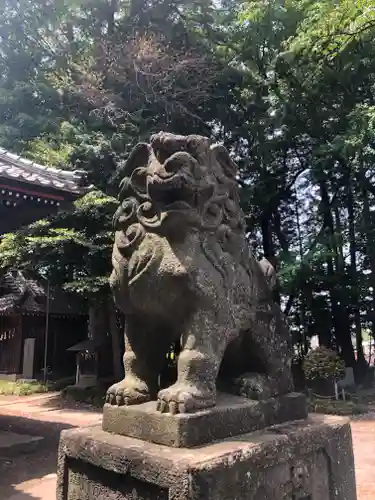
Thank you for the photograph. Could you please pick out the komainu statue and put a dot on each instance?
(183, 270)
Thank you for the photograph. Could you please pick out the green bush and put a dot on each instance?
(332, 407)
(323, 364)
(21, 388)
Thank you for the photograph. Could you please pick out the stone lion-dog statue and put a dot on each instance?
(183, 271)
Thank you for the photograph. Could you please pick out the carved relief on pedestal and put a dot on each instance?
(306, 478)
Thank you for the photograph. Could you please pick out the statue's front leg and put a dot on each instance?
(198, 365)
(143, 359)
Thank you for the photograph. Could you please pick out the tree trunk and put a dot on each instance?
(368, 229)
(303, 298)
(97, 322)
(267, 240)
(269, 248)
(340, 316)
(361, 362)
(92, 323)
(116, 349)
(97, 330)
(111, 12)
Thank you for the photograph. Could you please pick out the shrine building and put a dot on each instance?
(30, 192)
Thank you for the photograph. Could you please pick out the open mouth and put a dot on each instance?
(176, 196)
(162, 185)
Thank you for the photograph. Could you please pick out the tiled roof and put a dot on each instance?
(20, 169)
(25, 295)
(88, 345)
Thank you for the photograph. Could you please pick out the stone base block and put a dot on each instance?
(301, 460)
(231, 416)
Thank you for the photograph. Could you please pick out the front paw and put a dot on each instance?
(128, 392)
(183, 398)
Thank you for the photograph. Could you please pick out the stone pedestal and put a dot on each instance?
(232, 415)
(302, 460)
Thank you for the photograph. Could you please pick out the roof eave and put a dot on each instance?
(72, 182)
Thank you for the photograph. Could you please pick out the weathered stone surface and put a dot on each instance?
(183, 270)
(309, 460)
(232, 416)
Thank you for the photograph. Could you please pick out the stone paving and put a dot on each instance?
(363, 429)
(39, 489)
(33, 477)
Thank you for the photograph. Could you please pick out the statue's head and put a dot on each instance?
(176, 183)
(178, 190)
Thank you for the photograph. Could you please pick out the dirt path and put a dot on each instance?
(363, 429)
(32, 477)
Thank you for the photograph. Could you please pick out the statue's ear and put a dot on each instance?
(226, 162)
(139, 157)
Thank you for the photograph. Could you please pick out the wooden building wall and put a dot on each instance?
(63, 332)
(10, 344)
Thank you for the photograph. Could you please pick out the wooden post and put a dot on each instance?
(19, 345)
(77, 369)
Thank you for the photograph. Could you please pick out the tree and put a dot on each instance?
(287, 86)
(117, 72)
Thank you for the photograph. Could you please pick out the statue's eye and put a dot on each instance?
(162, 155)
(174, 164)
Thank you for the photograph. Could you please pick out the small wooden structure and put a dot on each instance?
(23, 305)
(87, 362)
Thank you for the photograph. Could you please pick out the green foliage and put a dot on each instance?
(323, 363)
(47, 153)
(329, 27)
(333, 407)
(21, 388)
(90, 88)
(287, 86)
(72, 249)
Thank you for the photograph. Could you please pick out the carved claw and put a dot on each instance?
(184, 399)
(128, 392)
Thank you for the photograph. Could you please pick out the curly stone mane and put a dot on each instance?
(205, 193)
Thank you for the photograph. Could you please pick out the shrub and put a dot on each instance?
(332, 407)
(21, 388)
(323, 363)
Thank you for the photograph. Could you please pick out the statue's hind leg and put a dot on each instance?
(269, 343)
(143, 361)
(198, 364)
